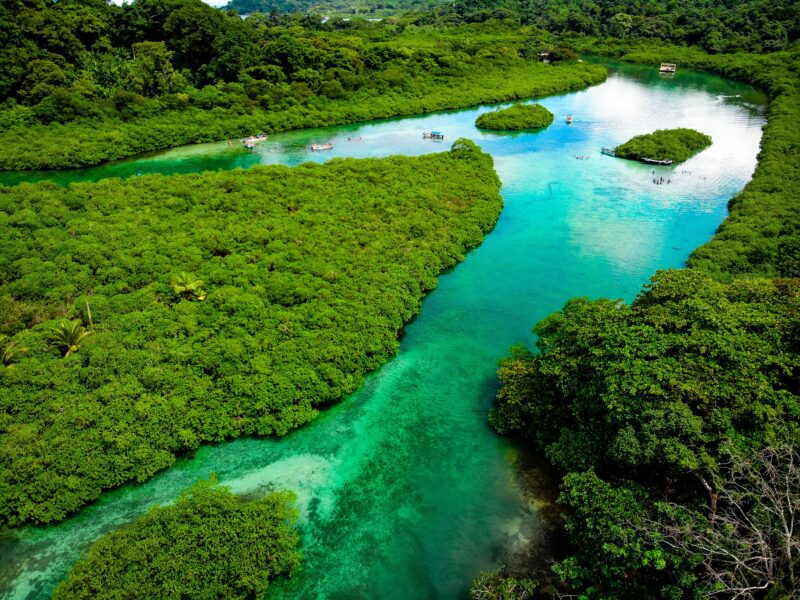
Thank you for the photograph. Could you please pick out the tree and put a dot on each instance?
(332, 89)
(187, 287)
(495, 586)
(191, 31)
(209, 544)
(10, 351)
(620, 25)
(292, 54)
(151, 70)
(44, 77)
(67, 336)
(751, 542)
(559, 54)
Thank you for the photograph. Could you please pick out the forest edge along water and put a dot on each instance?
(403, 489)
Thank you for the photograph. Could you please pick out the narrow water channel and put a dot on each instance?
(404, 491)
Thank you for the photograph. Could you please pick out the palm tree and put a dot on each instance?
(67, 336)
(186, 286)
(10, 351)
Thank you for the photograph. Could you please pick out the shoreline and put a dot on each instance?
(76, 139)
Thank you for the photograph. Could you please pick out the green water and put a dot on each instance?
(405, 493)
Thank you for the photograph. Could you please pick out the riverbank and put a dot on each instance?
(298, 282)
(83, 143)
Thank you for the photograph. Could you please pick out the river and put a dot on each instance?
(405, 493)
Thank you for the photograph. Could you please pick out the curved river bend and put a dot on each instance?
(405, 493)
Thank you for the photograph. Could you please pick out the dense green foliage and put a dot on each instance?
(713, 25)
(232, 304)
(676, 145)
(343, 8)
(642, 406)
(82, 81)
(79, 143)
(222, 304)
(519, 116)
(635, 402)
(209, 544)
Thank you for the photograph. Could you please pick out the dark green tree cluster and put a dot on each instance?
(653, 411)
(209, 544)
(636, 402)
(713, 25)
(342, 8)
(83, 81)
(676, 145)
(517, 117)
(219, 305)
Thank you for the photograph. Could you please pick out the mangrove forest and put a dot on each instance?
(321, 300)
(517, 117)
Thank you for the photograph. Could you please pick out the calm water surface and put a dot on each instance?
(404, 491)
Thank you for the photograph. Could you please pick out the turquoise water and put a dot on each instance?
(404, 491)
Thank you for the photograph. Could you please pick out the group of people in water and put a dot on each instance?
(660, 180)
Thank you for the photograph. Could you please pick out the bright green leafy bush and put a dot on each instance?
(307, 275)
(676, 145)
(519, 116)
(209, 544)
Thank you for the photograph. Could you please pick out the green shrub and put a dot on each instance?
(209, 544)
(519, 116)
(676, 145)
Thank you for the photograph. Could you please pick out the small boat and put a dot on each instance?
(433, 135)
(668, 68)
(251, 141)
(569, 119)
(652, 161)
(327, 146)
(608, 151)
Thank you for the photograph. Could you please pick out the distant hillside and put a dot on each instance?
(364, 8)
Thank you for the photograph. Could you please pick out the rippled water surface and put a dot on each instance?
(405, 493)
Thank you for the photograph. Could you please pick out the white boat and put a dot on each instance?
(251, 141)
(327, 146)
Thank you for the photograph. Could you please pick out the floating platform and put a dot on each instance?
(654, 161)
(433, 135)
(251, 141)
